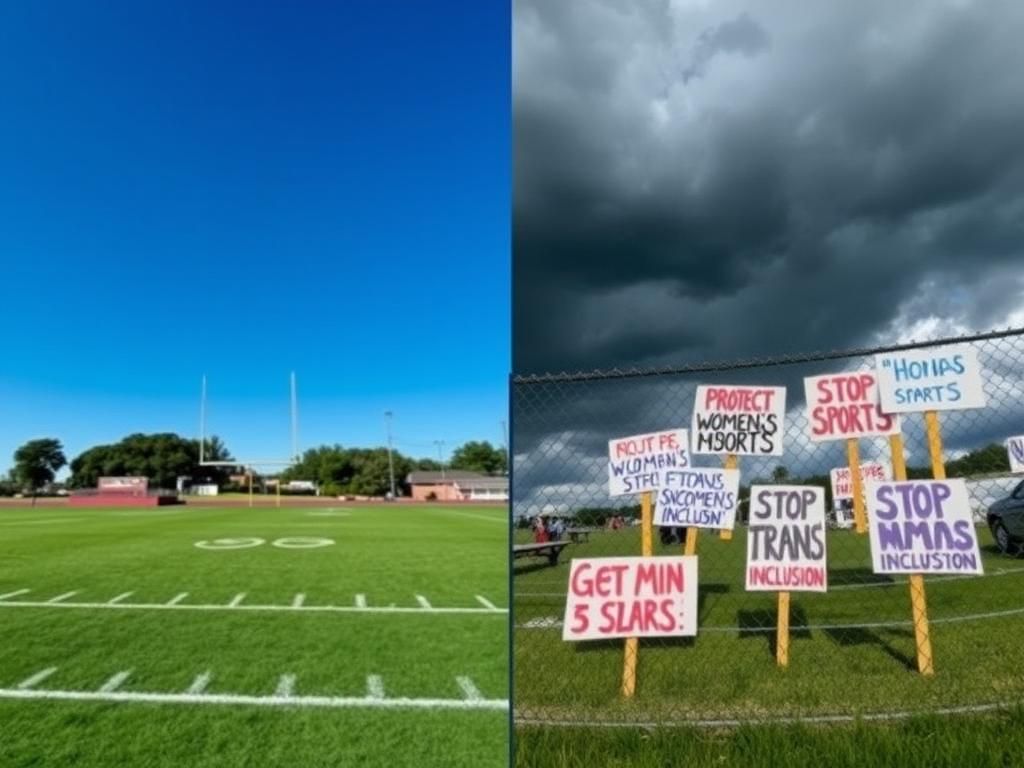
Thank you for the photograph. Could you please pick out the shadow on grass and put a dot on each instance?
(522, 568)
(762, 623)
(849, 636)
(703, 591)
(863, 575)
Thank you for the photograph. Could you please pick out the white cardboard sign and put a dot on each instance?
(922, 526)
(638, 463)
(699, 497)
(938, 379)
(786, 539)
(746, 421)
(611, 597)
(1015, 450)
(842, 487)
(846, 405)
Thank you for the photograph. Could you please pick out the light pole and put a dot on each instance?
(440, 459)
(391, 461)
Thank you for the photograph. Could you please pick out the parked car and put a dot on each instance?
(1006, 521)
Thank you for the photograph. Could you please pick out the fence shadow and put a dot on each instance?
(762, 623)
(847, 636)
(857, 576)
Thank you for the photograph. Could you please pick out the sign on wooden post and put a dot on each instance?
(847, 406)
(786, 548)
(929, 380)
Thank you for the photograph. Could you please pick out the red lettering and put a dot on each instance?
(581, 621)
(668, 616)
(824, 394)
(584, 589)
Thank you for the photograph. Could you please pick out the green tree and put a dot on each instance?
(37, 462)
(478, 456)
(160, 457)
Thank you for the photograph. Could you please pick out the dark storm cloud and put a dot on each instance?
(741, 35)
(705, 180)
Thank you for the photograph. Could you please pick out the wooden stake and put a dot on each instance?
(782, 636)
(918, 600)
(632, 643)
(856, 486)
(731, 462)
(690, 548)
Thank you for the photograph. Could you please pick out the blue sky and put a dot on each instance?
(243, 190)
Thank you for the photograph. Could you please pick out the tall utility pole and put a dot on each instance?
(202, 421)
(295, 421)
(440, 458)
(391, 461)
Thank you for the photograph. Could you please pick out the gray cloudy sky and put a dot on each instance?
(700, 180)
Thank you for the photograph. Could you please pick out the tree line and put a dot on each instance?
(164, 457)
(988, 460)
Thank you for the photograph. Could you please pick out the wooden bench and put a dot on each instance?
(551, 550)
(575, 534)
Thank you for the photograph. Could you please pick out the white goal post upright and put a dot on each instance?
(248, 464)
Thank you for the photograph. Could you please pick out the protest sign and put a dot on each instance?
(922, 526)
(1015, 449)
(745, 421)
(938, 379)
(786, 539)
(637, 463)
(842, 487)
(846, 405)
(702, 497)
(631, 597)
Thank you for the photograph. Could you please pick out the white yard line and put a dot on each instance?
(331, 702)
(469, 690)
(15, 593)
(299, 600)
(360, 601)
(374, 687)
(424, 603)
(60, 598)
(37, 678)
(115, 682)
(176, 599)
(487, 603)
(119, 598)
(285, 686)
(175, 606)
(237, 601)
(199, 684)
(496, 519)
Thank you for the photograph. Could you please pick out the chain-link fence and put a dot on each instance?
(854, 650)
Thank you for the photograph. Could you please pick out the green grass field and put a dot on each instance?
(991, 741)
(852, 649)
(125, 643)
